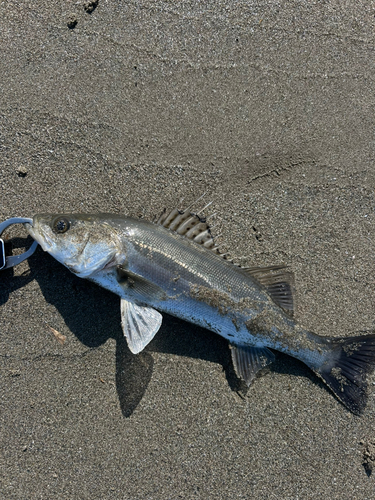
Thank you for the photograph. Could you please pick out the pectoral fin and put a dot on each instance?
(138, 286)
(139, 324)
(247, 361)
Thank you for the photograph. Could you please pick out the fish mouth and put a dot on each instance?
(43, 239)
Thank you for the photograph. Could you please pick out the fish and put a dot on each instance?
(174, 266)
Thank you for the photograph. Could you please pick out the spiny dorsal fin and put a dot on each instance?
(279, 284)
(190, 225)
(195, 228)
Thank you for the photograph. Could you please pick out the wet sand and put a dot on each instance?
(269, 108)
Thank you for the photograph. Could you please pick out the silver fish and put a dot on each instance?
(173, 266)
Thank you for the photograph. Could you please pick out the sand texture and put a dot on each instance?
(128, 107)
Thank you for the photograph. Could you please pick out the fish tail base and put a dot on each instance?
(345, 370)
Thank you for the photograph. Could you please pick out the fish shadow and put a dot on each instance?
(93, 315)
(8, 282)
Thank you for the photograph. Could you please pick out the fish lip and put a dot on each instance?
(44, 240)
(28, 227)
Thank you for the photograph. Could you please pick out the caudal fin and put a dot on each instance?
(345, 371)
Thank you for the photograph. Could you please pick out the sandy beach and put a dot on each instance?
(130, 107)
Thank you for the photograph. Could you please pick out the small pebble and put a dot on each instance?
(72, 21)
(21, 171)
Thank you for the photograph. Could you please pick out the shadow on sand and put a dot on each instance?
(93, 315)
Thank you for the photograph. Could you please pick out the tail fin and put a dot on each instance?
(346, 369)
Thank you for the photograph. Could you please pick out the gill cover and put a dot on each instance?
(83, 243)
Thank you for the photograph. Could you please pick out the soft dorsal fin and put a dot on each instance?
(279, 284)
(247, 361)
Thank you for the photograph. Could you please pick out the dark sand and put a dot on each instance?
(267, 106)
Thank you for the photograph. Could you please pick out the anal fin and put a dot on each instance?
(247, 361)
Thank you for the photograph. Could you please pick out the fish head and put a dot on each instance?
(83, 243)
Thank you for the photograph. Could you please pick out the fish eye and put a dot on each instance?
(61, 225)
